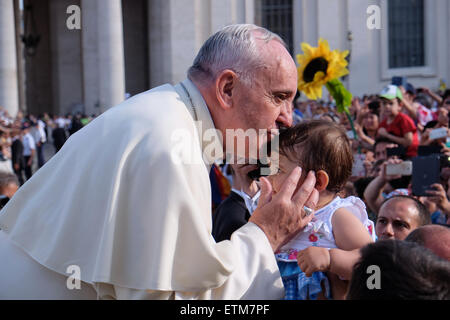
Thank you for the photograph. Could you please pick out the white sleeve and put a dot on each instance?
(256, 275)
(255, 267)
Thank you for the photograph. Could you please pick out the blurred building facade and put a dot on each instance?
(129, 46)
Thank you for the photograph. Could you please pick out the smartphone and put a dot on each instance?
(428, 150)
(403, 169)
(399, 81)
(426, 171)
(438, 133)
(397, 151)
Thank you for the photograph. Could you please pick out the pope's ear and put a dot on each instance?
(322, 180)
(225, 85)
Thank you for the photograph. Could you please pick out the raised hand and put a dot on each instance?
(281, 216)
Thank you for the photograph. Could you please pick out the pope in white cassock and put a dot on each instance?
(135, 220)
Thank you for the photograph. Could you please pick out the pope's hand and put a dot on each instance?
(282, 216)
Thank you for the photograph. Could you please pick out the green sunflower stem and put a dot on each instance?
(343, 99)
(349, 117)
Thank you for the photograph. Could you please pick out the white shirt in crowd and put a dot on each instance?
(61, 122)
(250, 202)
(38, 132)
(28, 144)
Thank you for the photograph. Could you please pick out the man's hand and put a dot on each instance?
(314, 259)
(282, 216)
(386, 177)
(30, 162)
(439, 196)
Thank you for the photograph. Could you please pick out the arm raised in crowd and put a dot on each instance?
(405, 141)
(373, 192)
(433, 95)
(365, 140)
(410, 109)
(439, 196)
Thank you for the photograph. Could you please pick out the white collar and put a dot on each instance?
(199, 111)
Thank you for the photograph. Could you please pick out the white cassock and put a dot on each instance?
(115, 203)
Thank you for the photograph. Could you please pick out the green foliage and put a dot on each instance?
(341, 95)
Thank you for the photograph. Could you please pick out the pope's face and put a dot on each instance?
(266, 102)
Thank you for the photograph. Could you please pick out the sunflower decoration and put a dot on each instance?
(320, 66)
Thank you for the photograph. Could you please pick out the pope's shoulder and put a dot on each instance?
(160, 107)
(156, 115)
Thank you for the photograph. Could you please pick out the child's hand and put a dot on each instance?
(382, 132)
(313, 259)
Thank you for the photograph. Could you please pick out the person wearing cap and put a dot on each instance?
(29, 149)
(397, 126)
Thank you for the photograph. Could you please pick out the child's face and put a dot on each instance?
(391, 108)
(285, 168)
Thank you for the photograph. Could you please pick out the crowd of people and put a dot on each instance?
(384, 131)
(354, 193)
(22, 141)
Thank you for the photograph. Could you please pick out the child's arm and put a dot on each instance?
(350, 235)
(337, 261)
(349, 232)
(342, 262)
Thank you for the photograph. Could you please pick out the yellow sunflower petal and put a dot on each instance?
(336, 67)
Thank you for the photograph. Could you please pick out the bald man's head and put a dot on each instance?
(398, 216)
(434, 237)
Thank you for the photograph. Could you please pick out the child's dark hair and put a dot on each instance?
(324, 146)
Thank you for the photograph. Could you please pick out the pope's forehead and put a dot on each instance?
(275, 52)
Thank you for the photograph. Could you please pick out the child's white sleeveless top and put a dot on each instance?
(319, 232)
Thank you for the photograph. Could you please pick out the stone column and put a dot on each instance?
(111, 56)
(9, 98)
(90, 57)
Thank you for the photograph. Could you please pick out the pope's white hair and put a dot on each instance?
(234, 47)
